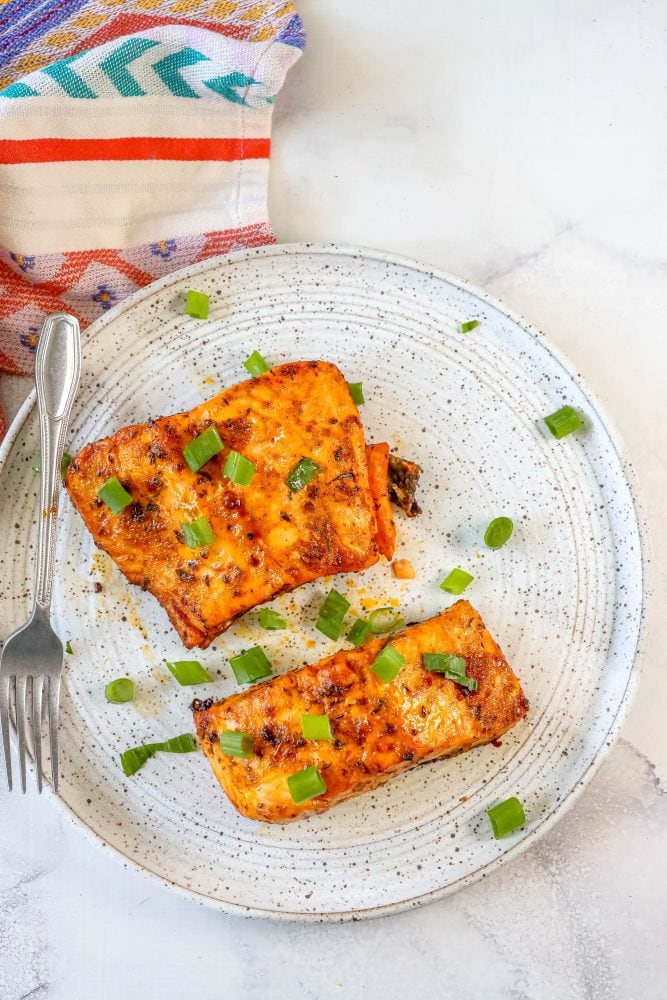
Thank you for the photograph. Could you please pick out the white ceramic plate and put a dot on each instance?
(564, 597)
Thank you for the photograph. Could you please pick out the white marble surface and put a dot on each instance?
(521, 146)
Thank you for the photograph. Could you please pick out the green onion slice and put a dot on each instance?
(271, 620)
(332, 613)
(359, 632)
(255, 364)
(239, 469)
(196, 304)
(498, 532)
(506, 817)
(316, 727)
(114, 495)
(357, 392)
(68, 648)
(305, 785)
(119, 691)
(65, 463)
(388, 664)
(198, 532)
(456, 581)
(564, 421)
(132, 760)
(303, 473)
(384, 620)
(188, 672)
(236, 744)
(451, 666)
(469, 325)
(202, 448)
(251, 665)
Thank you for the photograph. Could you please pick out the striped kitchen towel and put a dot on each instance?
(134, 140)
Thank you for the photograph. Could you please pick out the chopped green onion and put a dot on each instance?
(132, 760)
(188, 672)
(451, 666)
(498, 532)
(470, 325)
(65, 463)
(316, 727)
(255, 364)
(306, 784)
(202, 448)
(119, 691)
(236, 744)
(270, 619)
(303, 473)
(332, 613)
(239, 469)
(357, 392)
(380, 624)
(68, 648)
(196, 304)
(114, 495)
(251, 665)
(456, 581)
(359, 632)
(388, 664)
(564, 421)
(506, 817)
(198, 532)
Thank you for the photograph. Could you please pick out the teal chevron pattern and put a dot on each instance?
(87, 75)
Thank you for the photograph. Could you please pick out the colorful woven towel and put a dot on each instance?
(134, 140)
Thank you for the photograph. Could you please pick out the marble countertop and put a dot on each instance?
(521, 147)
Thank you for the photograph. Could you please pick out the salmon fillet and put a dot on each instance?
(379, 729)
(268, 539)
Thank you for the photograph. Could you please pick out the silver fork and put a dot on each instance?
(32, 658)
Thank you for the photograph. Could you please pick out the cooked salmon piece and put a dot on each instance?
(378, 728)
(269, 538)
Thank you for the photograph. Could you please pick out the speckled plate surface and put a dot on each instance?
(563, 598)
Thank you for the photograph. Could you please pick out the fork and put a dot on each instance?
(32, 658)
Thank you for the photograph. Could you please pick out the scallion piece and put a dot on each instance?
(384, 620)
(357, 392)
(239, 469)
(332, 613)
(251, 665)
(202, 448)
(303, 473)
(236, 744)
(306, 784)
(498, 532)
(114, 495)
(359, 632)
(198, 532)
(255, 365)
(188, 672)
(68, 648)
(132, 760)
(271, 620)
(506, 817)
(456, 581)
(196, 304)
(469, 325)
(119, 691)
(564, 421)
(388, 664)
(316, 727)
(450, 666)
(65, 463)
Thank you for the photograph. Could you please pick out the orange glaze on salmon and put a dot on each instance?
(267, 538)
(379, 729)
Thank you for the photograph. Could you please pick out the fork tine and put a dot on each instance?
(21, 683)
(54, 699)
(37, 688)
(4, 723)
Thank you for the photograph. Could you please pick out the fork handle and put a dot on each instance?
(57, 372)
